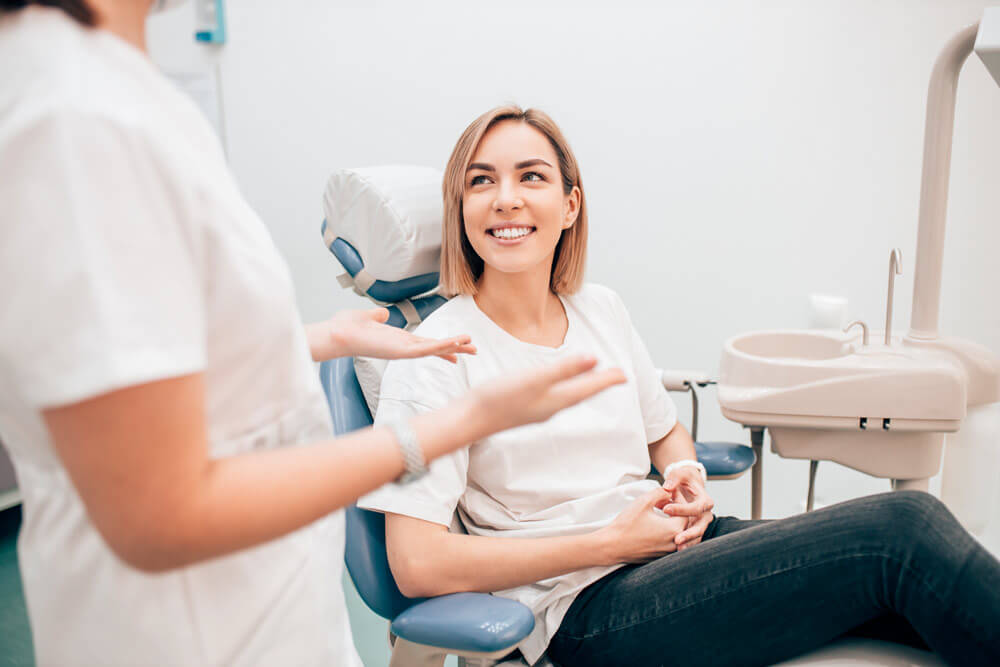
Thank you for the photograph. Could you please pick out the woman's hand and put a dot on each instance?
(534, 396)
(364, 333)
(687, 483)
(641, 533)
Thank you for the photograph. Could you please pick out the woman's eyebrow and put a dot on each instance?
(520, 165)
(531, 163)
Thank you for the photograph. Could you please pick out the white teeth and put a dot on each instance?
(511, 232)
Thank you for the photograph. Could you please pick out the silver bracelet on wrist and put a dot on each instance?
(409, 447)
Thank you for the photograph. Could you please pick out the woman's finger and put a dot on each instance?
(378, 314)
(423, 347)
(564, 369)
(574, 390)
(692, 534)
(701, 504)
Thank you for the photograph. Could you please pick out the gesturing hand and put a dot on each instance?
(364, 333)
(687, 482)
(534, 396)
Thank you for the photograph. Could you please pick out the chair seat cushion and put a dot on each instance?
(465, 622)
(724, 458)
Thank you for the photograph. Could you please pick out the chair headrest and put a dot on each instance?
(383, 224)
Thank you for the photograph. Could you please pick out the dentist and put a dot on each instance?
(180, 480)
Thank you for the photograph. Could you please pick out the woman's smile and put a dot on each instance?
(509, 233)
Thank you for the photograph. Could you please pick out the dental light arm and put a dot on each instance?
(984, 37)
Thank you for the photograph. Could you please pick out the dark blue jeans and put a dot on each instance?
(895, 566)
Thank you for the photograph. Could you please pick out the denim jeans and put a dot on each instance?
(895, 566)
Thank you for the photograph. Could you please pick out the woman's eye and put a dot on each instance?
(475, 180)
(528, 176)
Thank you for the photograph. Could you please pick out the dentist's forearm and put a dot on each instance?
(245, 500)
(139, 458)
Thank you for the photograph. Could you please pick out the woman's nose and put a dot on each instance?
(507, 198)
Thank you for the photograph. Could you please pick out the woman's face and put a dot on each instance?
(513, 205)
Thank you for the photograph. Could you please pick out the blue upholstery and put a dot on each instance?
(724, 458)
(460, 622)
(365, 554)
(381, 290)
(424, 305)
(466, 622)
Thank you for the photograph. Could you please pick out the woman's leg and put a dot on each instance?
(890, 626)
(760, 594)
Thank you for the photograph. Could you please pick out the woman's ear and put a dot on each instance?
(571, 207)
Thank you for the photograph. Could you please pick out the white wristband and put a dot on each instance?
(686, 462)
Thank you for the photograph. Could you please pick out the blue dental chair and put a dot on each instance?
(479, 628)
(399, 208)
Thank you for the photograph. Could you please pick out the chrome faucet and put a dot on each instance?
(895, 268)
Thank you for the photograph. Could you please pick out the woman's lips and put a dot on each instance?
(511, 241)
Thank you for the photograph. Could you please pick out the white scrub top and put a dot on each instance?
(128, 255)
(571, 474)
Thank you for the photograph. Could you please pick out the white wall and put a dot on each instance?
(737, 155)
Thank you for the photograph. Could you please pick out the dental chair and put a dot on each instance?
(479, 629)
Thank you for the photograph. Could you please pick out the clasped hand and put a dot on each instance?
(670, 518)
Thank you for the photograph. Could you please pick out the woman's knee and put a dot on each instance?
(910, 512)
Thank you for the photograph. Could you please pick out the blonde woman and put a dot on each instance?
(172, 444)
(560, 515)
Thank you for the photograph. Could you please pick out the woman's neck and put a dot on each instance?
(126, 20)
(523, 304)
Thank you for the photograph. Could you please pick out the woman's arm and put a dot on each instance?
(139, 458)
(427, 560)
(676, 445)
(694, 503)
(364, 332)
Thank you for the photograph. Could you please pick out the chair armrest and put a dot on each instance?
(466, 622)
(675, 380)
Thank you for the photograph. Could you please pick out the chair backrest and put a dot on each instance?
(365, 554)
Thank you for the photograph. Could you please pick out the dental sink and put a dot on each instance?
(791, 345)
(825, 395)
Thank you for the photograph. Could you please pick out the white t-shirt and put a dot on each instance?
(569, 475)
(128, 255)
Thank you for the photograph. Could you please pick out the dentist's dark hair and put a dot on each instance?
(77, 9)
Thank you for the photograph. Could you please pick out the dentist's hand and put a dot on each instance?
(534, 396)
(364, 333)
(685, 484)
(640, 533)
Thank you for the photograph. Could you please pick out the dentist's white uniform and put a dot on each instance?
(128, 255)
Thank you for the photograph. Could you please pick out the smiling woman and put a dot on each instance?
(482, 178)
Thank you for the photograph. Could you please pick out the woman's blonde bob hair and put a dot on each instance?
(461, 267)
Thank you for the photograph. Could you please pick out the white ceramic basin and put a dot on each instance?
(830, 380)
(791, 345)
(824, 395)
